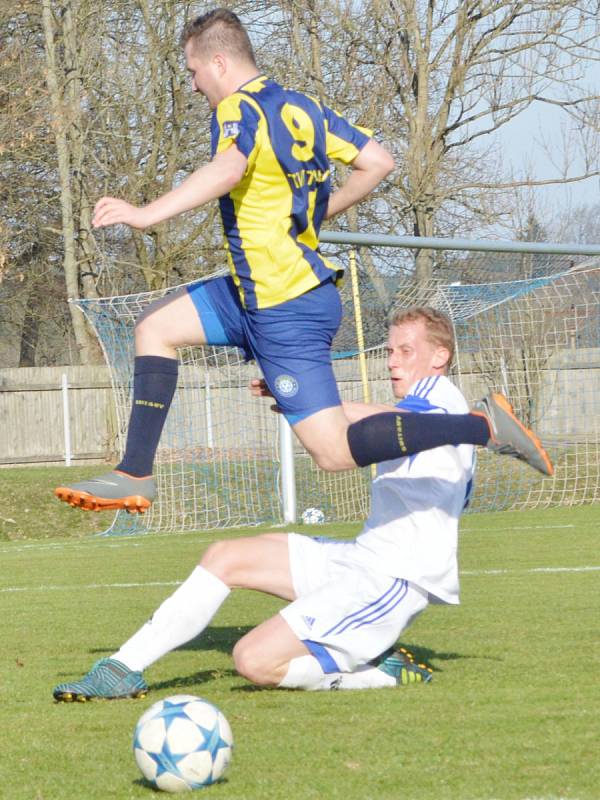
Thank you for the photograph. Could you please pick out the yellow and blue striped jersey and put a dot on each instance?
(273, 216)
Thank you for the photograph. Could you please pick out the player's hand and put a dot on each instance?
(112, 211)
(258, 388)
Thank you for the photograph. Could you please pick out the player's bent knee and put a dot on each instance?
(249, 664)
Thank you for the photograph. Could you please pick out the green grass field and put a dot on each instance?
(512, 712)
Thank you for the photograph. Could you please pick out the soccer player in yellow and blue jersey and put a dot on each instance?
(272, 149)
(272, 217)
(280, 304)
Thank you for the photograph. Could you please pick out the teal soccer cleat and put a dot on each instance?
(401, 665)
(108, 679)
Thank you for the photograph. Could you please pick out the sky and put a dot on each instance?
(525, 141)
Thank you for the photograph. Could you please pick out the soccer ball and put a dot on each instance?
(182, 743)
(313, 516)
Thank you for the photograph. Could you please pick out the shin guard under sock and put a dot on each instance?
(382, 437)
(154, 382)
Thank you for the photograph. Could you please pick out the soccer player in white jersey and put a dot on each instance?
(348, 601)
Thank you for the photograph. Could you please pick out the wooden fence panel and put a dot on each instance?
(31, 415)
(31, 406)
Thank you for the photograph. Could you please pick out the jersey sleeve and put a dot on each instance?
(344, 140)
(235, 120)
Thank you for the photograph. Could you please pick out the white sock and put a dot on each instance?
(305, 672)
(181, 617)
(366, 677)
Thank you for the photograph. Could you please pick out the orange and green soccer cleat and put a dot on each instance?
(401, 665)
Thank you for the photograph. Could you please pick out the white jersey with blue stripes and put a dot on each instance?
(416, 502)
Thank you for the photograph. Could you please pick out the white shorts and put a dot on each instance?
(345, 613)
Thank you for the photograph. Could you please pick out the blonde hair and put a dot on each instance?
(219, 29)
(438, 326)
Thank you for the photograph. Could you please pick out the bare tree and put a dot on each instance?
(133, 130)
(579, 223)
(65, 47)
(446, 75)
(434, 80)
(115, 116)
(34, 324)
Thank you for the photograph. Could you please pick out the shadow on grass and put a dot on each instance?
(145, 784)
(433, 657)
(220, 639)
(223, 639)
(187, 681)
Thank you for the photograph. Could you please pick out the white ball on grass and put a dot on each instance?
(182, 743)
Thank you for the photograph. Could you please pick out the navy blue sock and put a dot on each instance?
(389, 435)
(154, 382)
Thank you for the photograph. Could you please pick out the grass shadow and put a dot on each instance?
(221, 639)
(186, 681)
(145, 784)
(433, 657)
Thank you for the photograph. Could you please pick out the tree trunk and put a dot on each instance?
(29, 334)
(423, 258)
(64, 112)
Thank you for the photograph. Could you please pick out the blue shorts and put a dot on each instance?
(291, 342)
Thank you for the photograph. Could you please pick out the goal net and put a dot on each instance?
(536, 339)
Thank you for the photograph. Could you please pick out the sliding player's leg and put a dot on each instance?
(258, 562)
(188, 317)
(334, 634)
(273, 655)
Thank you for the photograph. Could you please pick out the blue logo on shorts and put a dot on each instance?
(286, 385)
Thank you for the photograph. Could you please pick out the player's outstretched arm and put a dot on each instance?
(213, 180)
(369, 168)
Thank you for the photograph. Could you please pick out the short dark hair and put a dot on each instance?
(219, 29)
(438, 326)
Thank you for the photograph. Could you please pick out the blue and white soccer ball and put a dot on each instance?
(182, 743)
(313, 516)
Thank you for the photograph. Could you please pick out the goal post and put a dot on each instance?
(226, 460)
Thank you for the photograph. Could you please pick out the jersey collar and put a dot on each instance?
(258, 79)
